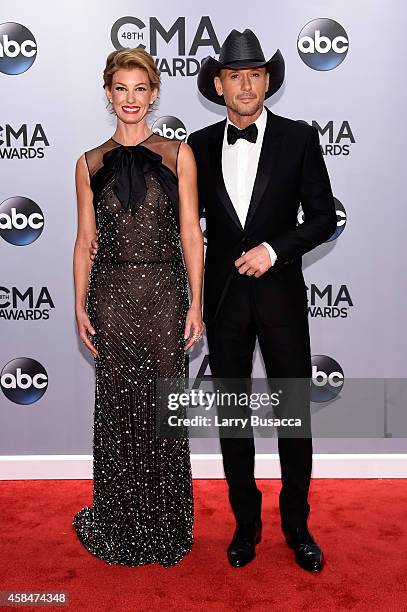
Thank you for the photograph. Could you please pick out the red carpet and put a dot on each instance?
(360, 524)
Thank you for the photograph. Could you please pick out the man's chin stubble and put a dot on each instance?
(246, 113)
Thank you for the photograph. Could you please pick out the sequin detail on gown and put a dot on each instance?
(137, 301)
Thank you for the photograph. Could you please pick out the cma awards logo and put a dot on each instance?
(179, 49)
(323, 44)
(22, 142)
(340, 216)
(24, 380)
(327, 378)
(338, 138)
(21, 221)
(18, 48)
(329, 303)
(28, 304)
(170, 127)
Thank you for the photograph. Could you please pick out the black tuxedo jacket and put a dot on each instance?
(291, 172)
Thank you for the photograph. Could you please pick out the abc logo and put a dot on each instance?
(170, 127)
(18, 48)
(24, 380)
(21, 220)
(322, 44)
(327, 378)
(340, 215)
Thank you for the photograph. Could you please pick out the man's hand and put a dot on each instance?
(93, 249)
(254, 262)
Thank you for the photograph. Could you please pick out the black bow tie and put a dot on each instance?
(249, 133)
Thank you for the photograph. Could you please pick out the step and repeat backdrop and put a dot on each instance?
(344, 75)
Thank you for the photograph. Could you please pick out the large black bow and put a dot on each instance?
(129, 165)
(249, 133)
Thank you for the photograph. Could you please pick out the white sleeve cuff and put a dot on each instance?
(272, 253)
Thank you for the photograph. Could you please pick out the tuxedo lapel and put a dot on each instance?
(216, 143)
(269, 150)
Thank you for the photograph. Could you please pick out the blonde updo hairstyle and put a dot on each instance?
(131, 58)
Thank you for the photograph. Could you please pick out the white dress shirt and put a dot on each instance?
(239, 168)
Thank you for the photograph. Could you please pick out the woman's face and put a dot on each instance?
(131, 94)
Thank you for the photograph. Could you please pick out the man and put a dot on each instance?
(254, 170)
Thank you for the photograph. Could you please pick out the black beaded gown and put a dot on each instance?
(137, 301)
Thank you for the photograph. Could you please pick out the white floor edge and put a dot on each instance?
(46, 467)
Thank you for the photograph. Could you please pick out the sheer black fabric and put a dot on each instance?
(137, 301)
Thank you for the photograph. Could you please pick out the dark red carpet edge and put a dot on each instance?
(361, 525)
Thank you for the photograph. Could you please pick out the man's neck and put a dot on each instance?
(242, 121)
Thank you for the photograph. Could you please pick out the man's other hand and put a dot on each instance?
(254, 262)
(93, 249)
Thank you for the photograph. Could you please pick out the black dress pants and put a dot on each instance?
(285, 346)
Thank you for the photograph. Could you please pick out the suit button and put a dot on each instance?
(244, 241)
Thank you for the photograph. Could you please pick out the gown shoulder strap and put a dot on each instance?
(167, 148)
(94, 157)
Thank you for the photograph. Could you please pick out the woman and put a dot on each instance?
(138, 190)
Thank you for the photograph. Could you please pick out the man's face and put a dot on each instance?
(244, 89)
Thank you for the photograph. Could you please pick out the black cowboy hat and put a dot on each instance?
(240, 50)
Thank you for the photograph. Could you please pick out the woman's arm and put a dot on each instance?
(191, 239)
(81, 262)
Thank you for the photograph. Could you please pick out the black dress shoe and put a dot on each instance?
(241, 550)
(308, 554)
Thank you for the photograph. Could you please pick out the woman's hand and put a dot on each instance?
(194, 327)
(85, 328)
